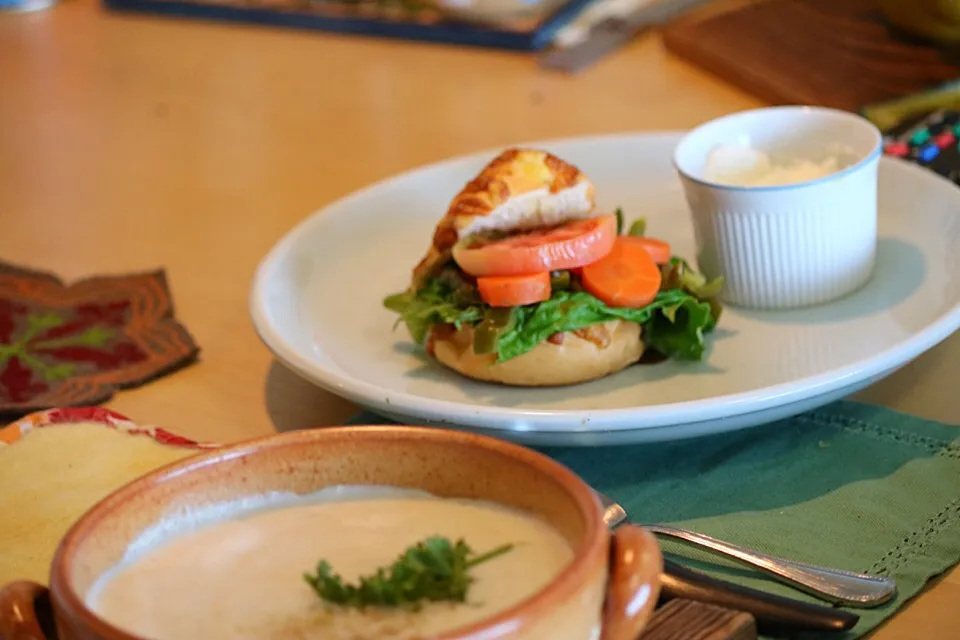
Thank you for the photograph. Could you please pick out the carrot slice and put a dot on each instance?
(512, 291)
(658, 249)
(626, 277)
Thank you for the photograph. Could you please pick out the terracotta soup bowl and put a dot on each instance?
(607, 590)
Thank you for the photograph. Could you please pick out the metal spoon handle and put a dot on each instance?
(836, 585)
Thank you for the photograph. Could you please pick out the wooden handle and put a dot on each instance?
(25, 612)
(634, 583)
(775, 615)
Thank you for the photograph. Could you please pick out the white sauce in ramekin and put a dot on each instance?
(742, 166)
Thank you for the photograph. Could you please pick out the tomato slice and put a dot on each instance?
(658, 249)
(512, 291)
(566, 246)
(626, 277)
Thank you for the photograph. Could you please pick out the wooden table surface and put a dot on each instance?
(129, 143)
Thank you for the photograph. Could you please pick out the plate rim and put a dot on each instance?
(570, 421)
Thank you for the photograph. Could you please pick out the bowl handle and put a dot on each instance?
(25, 612)
(634, 583)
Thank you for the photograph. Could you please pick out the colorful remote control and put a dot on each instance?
(932, 141)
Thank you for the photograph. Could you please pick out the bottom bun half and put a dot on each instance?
(574, 360)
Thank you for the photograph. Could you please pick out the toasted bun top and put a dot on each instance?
(519, 189)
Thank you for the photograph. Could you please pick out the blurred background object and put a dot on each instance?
(837, 53)
(893, 113)
(606, 25)
(596, 12)
(833, 53)
(497, 11)
(934, 20)
(524, 25)
(25, 5)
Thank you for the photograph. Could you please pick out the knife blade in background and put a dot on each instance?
(612, 33)
(775, 615)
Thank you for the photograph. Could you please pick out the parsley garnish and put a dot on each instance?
(433, 570)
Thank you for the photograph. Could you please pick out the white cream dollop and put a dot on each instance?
(742, 166)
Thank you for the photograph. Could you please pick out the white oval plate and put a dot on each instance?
(316, 303)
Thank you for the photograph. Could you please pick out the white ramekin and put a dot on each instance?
(789, 245)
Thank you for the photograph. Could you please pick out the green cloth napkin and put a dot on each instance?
(850, 486)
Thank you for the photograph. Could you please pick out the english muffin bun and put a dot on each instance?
(571, 359)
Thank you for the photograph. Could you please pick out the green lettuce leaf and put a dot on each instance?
(674, 323)
(436, 303)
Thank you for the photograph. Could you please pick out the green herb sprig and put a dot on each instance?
(433, 570)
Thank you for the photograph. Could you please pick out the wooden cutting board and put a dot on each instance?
(833, 53)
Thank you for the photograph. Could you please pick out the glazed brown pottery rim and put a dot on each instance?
(565, 584)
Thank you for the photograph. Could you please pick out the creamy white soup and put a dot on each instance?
(236, 571)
